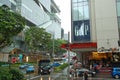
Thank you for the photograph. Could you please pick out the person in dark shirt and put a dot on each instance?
(85, 75)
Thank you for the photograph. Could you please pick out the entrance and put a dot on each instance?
(106, 59)
(101, 58)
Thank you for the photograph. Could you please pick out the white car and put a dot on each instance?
(81, 71)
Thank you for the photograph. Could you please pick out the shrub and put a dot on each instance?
(16, 74)
(4, 74)
(61, 67)
(3, 63)
(10, 74)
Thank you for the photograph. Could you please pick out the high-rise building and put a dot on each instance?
(95, 21)
(41, 13)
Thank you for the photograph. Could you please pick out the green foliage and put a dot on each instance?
(37, 38)
(2, 63)
(16, 75)
(57, 46)
(10, 74)
(61, 67)
(4, 74)
(11, 24)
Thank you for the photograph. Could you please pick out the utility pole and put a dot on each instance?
(68, 48)
(53, 46)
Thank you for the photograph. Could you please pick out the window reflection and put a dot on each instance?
(118, 7)
(80, 10)
(80, 18)
(118, 14)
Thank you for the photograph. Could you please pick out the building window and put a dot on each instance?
(80, 10)
(118, 15)
(80, 19)
(13, 7)
(118, 7)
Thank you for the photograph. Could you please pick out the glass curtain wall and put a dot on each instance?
(80, 20)
(118, 15)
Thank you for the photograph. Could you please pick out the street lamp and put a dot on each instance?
(53, 47)
(53, 43)
(68, 47)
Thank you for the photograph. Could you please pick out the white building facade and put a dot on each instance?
(41, 13)
(104, 20)
(96, 21)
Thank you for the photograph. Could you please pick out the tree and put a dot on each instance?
(11, 23)
(57, 46)
(36, 38)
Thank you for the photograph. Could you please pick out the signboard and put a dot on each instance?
(81, 31)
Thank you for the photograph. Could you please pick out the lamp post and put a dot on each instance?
(68, 47)
(53, 47)
(53, 43)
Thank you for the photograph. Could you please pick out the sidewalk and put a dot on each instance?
(62, 75)
(104, 73)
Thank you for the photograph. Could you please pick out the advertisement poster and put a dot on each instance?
(81, 31)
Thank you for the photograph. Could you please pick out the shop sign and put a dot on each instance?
(102, 49)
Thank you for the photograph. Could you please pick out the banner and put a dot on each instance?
(81, 31)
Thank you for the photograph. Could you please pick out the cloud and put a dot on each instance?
(65, 14)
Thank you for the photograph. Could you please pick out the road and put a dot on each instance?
(63, 76)
(52, 76)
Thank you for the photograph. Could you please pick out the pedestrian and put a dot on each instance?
(85, 75)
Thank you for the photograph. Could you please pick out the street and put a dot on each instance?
(63, 76)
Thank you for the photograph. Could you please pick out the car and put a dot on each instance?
(81, 71)
(116, 72)
(30, 69)
(56, 64)
(45, 69)
(71, 62)
(23, 66)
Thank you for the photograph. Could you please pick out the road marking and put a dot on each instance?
(35, 77)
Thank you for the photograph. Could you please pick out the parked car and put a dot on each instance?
(56, 64)
(30, 69)
(23, 66)
(116, 72)
(81, 71)
(71, 62)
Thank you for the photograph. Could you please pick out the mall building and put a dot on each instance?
(40, 13)
(95, 28)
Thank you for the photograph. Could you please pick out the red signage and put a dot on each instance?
(80, 45)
